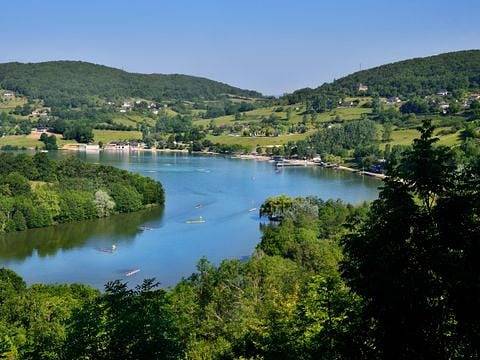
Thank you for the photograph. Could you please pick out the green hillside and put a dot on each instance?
(415, 77)
(75, 83)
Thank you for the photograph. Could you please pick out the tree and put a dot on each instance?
(415, 106)
(45, 168)
(125, 324)
(126, 198)
(50, 141)
(387, 132)
(275, 207)
(409, 260)
(82, 133)
(17, 184)
(104, 203)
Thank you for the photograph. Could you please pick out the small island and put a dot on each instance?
(36, 191)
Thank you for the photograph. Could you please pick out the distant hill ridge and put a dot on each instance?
(415, 77)
(76, 82)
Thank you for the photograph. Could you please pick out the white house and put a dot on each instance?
(393, 100)
(444, 108)
(442, 93)
(362, 88)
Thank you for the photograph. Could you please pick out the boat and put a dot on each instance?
(132, 272)
(110, 250)
(143, 228)
(198, 206)
(252, 209)
(199, 220)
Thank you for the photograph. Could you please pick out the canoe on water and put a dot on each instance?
(199, 220)
(132, 272)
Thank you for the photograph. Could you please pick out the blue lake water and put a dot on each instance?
(169, 248)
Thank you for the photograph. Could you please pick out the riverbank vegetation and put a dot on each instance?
(396, 279)
(36, 191)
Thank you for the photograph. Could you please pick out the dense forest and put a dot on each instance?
(36, 191)
(76, 83)
(455, 71)
(396, 279)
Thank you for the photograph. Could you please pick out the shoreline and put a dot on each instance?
(291, 162)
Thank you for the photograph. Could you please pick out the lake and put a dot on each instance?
(160, 242)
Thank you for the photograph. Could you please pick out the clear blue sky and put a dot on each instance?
(273, 46)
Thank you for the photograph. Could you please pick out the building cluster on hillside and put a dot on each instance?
(393, 100)
(347, 103)
(124, 146)
(111, 146)
(41, 112)
(127, 106)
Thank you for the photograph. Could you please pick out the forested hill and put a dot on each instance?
(76, 82)
(415, 77)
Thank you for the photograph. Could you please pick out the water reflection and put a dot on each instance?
(99, 233)
(168, 248)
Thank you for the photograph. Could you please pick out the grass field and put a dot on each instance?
(8, 105)
(252, 142)
(132, 119)
(296, 115)
(107, 136)
(29, 141)
(20, 141)
(399, 137)
(406, 136)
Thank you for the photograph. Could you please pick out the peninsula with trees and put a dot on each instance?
(36, 191)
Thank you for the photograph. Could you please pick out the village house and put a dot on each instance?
(442, 92)
(124, 146)
(40, 129)
(362, 88)
(393, 100)
(40, 112)
(82, 147)
(444, 108)
(346, 103)
(474, 97)
(117, 146)
(8, 95)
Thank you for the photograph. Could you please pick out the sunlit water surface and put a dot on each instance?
(159, 242)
